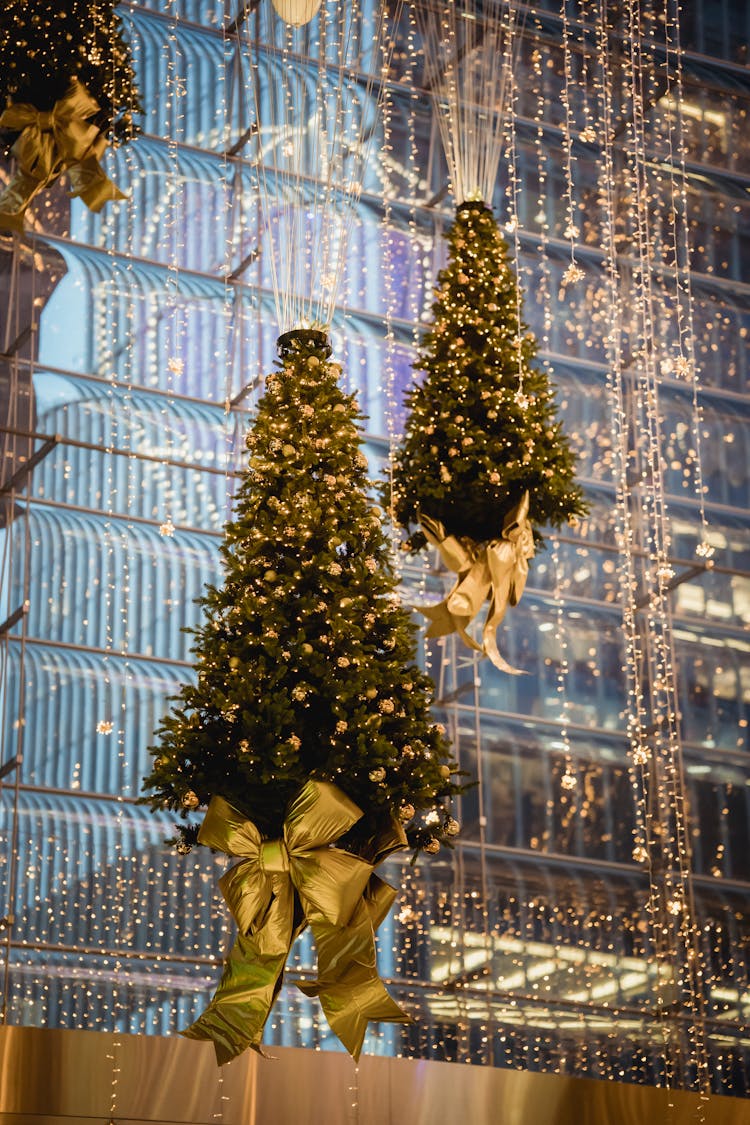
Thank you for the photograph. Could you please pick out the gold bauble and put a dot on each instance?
(190, 800)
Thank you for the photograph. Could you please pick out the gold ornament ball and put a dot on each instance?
(451, 827)
(190, 800)
(183, 848)
(432, 847)
(377, 774)
(406, 812)
(445, 771)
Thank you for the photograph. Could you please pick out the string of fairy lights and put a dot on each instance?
(314, 131)
(119, 411)
(529, 952)
(672, 897)
(513, 224)
(639, 715)
(14, 573)
(572, 232)
(685, 364)
(535, 69)
(662, 841)
(468, 61)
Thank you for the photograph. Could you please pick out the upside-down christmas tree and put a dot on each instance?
(308, 725)
(484, 461)
(482, 427)
(68, 89)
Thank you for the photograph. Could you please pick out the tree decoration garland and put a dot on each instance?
(68, 86)
(483, 459)
(306, 677)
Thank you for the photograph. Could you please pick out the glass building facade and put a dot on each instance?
(134, 344)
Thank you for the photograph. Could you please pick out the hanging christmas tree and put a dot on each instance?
(484, 461)
(307, 695)
(482, 427)
(68, 86)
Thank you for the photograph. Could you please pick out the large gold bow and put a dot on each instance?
(278, 888)
(50, 143)
(496, 571)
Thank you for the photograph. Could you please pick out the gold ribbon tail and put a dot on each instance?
(90, 182)
(508, 564)
(239, 1010)
(349, 987)
(501, 562)
(15, 199)
(492, 652)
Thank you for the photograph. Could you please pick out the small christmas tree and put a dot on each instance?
(306, 660)
(44, 46)
(481, 430)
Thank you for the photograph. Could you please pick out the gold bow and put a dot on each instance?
(49, 144)
(278, 888)
(496, 571)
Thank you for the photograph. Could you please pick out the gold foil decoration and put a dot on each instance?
(50, 143)
(495, 572)
(280, 887)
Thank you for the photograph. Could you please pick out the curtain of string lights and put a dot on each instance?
(592, 916)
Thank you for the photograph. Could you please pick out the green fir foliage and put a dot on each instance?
(44, 44)
(306, 658)
(475, 441)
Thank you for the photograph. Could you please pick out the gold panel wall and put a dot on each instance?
(50, 1077)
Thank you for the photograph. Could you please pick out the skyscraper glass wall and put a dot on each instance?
(134, 345)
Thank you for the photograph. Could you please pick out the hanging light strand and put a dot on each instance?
(687, 366)
(657, 750)
(624, 531)
(573, 273)
(318, 92)
(512, 227)
(468, 50)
